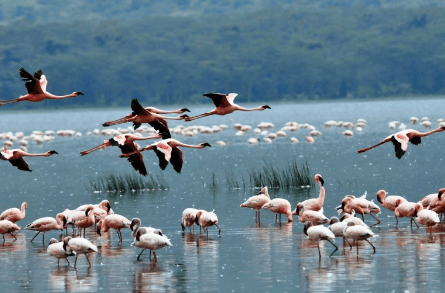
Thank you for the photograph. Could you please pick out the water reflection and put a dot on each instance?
(154, 278)
(68, 279)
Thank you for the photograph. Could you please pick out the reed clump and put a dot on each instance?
(126, 182)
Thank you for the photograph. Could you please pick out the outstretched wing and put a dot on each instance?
(216, 98)
(21, 164)
(415, 140)
(161, 126)
(32, 84)
(400, 143)
(136, 160)
(136, 107)
(176, 159)
(161, 156)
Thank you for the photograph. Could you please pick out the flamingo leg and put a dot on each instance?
(197, 116)
(35, 236)
(219, 229)
(370, 244)
(414, 223)
(88, 151)
(256, 212)
(397, 221)
(66, 260)
(336, 247)
(58, 261)
(140, 254)
(378, 221)
(3, 238)
(156, 258)
(75, 261)
(8, 102)
(350, 245)
(13, 236)
(276, 218)
(87, 259)
(357, 247)
(318, 246)
(259, 221)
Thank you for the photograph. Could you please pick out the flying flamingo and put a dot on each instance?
(168, 150)
(7, 227)
(279, 206)
(79, 245)
(188, 219)
(142, 115)
(406, 209)
(357, 233)
(389, 201)
(318, 233)
(115, 221)
(224, 105)
(56, 250)
(127, 145)
(401, 139)
(150, 240)
(206, 219)
(15, 157)
(256, 202)
(47, 224)
(14, 214)
(36, 86)
(313, 204)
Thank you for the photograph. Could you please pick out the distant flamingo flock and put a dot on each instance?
(310, 212)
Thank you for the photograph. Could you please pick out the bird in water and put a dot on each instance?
(15, 157)
(56, 250)
(318, 233)
(144, 115)
(36, 86)
(79, 245)
(256, 202)
(224, 105)
(400, 140)
(168, 150)
(14, 214)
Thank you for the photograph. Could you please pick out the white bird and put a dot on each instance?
(188, 218)
(318, 233)
(427, 218)
(79, 245)
(56, 250)
(358, 233)
(152, 241)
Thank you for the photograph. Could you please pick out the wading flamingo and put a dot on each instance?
(188, 219)
(361, 206)
(7, 227)
(56, 250)
(312, 204)
(224, 105)
(279, 206)
(142, 115)
(135, 226)
(36, 86)
(168, 150)
(14, 214)
(150, 240)
(47, 224)
(318, 233)
(85, 221)
(317, 218)
(127, 145)
(115, 221)
(15, 157)
(256, 202)
(389, 201)
(427, 218)
(401, 139)
(101, 210)
(357, 233)
(79, 245)
(206, 219)
(406, 209)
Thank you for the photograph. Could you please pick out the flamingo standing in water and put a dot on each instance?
(168, 150)
(150, 240)
(15, 157)
(47, 224)
(127, 145)
(7, 227)
(56, 250)
(427, 218)
(406, 209)
(117, 222)
(135, 226)
(79, 245)
(313, 204)
(14, 214)
(188, 218)
(206, 219)
(358, 233)
(256, 202)
(224, 105)
(318, 233)
(401, 139)
(36, 86)
(361, 206)
(437, 204)
(279, 206)
(144, 115)
(389, 201)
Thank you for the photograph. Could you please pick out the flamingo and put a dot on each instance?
(358, 233)
(224, 105)
(361, 206)
(406, 209)
(7, 227)
(318, 233)
(401, 139)
(316, 217)
(168, 150)
(36, 86)
(427, 199)
(188, 219)
(279, 206)
(256, 202)
(206, 219)
(117, 222)
(84, 219)
(47, 224)
(79, 245)
(101, 210)
(352, 218)
(389, 201)
(426, 217)
(142, 115)
(56, 250)
(313, 204)
(150, 240)
(127, 145)
(15, 157)
(337, 228)
(436, 204)
(14, 214)
(135, 226)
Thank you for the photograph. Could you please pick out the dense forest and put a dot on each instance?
(263, 51)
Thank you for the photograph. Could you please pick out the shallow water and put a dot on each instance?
(246, 257)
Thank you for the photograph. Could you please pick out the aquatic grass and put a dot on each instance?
(127, 182)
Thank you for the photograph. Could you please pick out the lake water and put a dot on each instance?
(246, 257)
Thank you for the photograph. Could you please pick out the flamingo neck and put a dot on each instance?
(239, 108)
(51, 96)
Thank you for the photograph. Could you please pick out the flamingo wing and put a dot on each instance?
(231, 97)
(161, 126)
(400, 142)
(118, 140)
(32, 84)
(415, 140)
(136, 160)
(136, 107)
(161, 156)
(21, 164)
(176, 159)
(216, 98)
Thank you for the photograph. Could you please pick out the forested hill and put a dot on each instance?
(259, 49)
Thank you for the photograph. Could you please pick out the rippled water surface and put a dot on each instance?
(246, 257)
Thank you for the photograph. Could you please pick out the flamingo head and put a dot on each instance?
(52, 241)
(184, 110)
(205, 144)
(398, 202)
(65, 242)
(52, 152)
(24, 205)
(79, 94)
(184, 116)
(139, 232)
(381, 194)
(318, 178)
(441, 191)
(266, 107)
(135, 223)
(307, 225)
(334, 220)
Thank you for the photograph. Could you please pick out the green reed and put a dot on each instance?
(127, 182)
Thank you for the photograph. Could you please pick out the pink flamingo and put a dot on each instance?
(389, 201)
(256, 202)
(168, 150)
(84, 221)
(15, 157)
(135, 226)
(318, 233)
(361, 206)
(316, 217)
(56, 250)
(406, 209)
(188, 219)
(352, 218)
(358, 233)
(117, 222)
(427, 199)
(313, 204)
(436, 204)
(150, 240)
(36, 86)
(79, 245)
(224, 105)
(101, 210)
(279, 206)
(45, 224)
(144, 115)
(7, 227)
(401, 139)
(14, 214)
(206, 219)
(426, 217)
